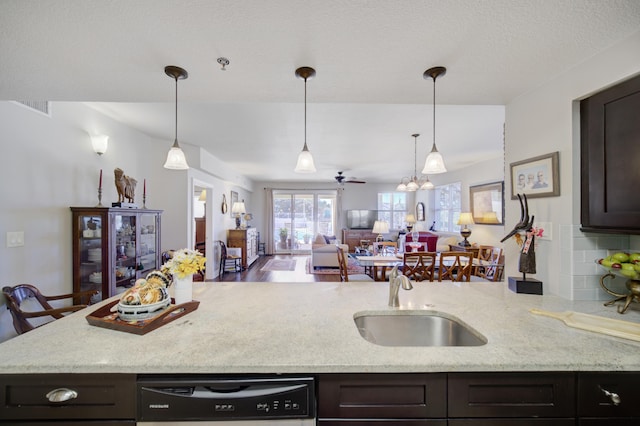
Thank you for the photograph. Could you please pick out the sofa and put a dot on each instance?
(431, 240)
(324, 253)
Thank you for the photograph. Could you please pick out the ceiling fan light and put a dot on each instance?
(434, 163)
(305, 162)
(176, 159)
(401, 187)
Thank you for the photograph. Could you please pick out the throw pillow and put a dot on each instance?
(319, 239)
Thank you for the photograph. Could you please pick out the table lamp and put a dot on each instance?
(238, 209)
(465, 219)
(410, 219)
(380, 227)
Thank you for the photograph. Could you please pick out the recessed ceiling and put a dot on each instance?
(367, 99)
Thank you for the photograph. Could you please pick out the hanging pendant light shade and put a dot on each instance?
(305, 159)
(175, 158)
(434, 163)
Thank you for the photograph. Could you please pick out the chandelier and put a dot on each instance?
(414, 183)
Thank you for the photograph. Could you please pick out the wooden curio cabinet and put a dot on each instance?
(112, 247)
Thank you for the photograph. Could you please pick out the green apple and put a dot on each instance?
(634, 257)
(629, 273)
(607, 262)
(620, 256)
(628, 266)
(636, 267)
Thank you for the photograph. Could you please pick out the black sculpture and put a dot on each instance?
(527, 264)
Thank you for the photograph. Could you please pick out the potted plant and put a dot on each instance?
(284, 232)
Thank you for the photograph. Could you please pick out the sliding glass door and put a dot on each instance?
(300, 215)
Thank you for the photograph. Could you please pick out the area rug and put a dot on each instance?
(352, 268)
(279, 265)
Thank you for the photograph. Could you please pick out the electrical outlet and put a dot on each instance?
(15, 239)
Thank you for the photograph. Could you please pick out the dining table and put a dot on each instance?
(378, 264)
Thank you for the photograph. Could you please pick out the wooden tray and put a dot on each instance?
(104, 318)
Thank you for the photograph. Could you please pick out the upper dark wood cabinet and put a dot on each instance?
(610, 159)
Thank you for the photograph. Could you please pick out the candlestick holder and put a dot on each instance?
(99, 198)
(144, 201)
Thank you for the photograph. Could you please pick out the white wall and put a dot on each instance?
(546, 120)
(49, 165)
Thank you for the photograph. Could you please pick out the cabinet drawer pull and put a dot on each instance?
(61, 395)
(614, 397)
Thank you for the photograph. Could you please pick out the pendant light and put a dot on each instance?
(305, 159)
(175, 158)
(434, 162)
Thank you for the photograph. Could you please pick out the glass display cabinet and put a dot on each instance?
(112, 247)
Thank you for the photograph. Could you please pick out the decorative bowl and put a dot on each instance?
(141, 312)
(622, 273)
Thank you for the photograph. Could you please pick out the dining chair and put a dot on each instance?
(455, 266)
(228, 262)
(28, 294)
(344, 273)
(419, 266)
(484, 255)
(492, 270)
(385, 247)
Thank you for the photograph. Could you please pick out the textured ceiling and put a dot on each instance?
(368, 97)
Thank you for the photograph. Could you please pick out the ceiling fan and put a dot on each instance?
(341, 179)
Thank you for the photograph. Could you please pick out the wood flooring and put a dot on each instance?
(254, 274)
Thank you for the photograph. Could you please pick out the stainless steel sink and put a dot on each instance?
(416, 328)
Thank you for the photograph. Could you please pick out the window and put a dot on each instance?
(447, 207)
(299, 215)
(392, 208)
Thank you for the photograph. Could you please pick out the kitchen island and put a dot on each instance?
(309, 328)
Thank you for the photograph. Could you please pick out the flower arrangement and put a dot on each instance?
(185, 262)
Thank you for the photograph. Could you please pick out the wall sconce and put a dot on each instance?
(99, 143)
(465, 219)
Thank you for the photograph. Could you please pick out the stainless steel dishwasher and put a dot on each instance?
(216, 400)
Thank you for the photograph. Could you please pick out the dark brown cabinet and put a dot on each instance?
(523, 398)
(361, 399)
(610, 154)
(112, 247)
(608, 398)
(96, 399)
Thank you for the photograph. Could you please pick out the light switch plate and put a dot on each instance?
(548, 230)
(15, 239)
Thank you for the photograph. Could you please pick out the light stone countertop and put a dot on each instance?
(309, 328)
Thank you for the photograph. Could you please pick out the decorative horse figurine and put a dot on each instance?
(527, 252)
(125, 185)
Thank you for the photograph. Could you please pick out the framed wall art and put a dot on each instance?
(487, 203)
(536, 177)
(233, 199)
(420, 212)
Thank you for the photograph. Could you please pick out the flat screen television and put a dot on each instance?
(361, 219)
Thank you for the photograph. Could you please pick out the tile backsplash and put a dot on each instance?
(581, 250)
